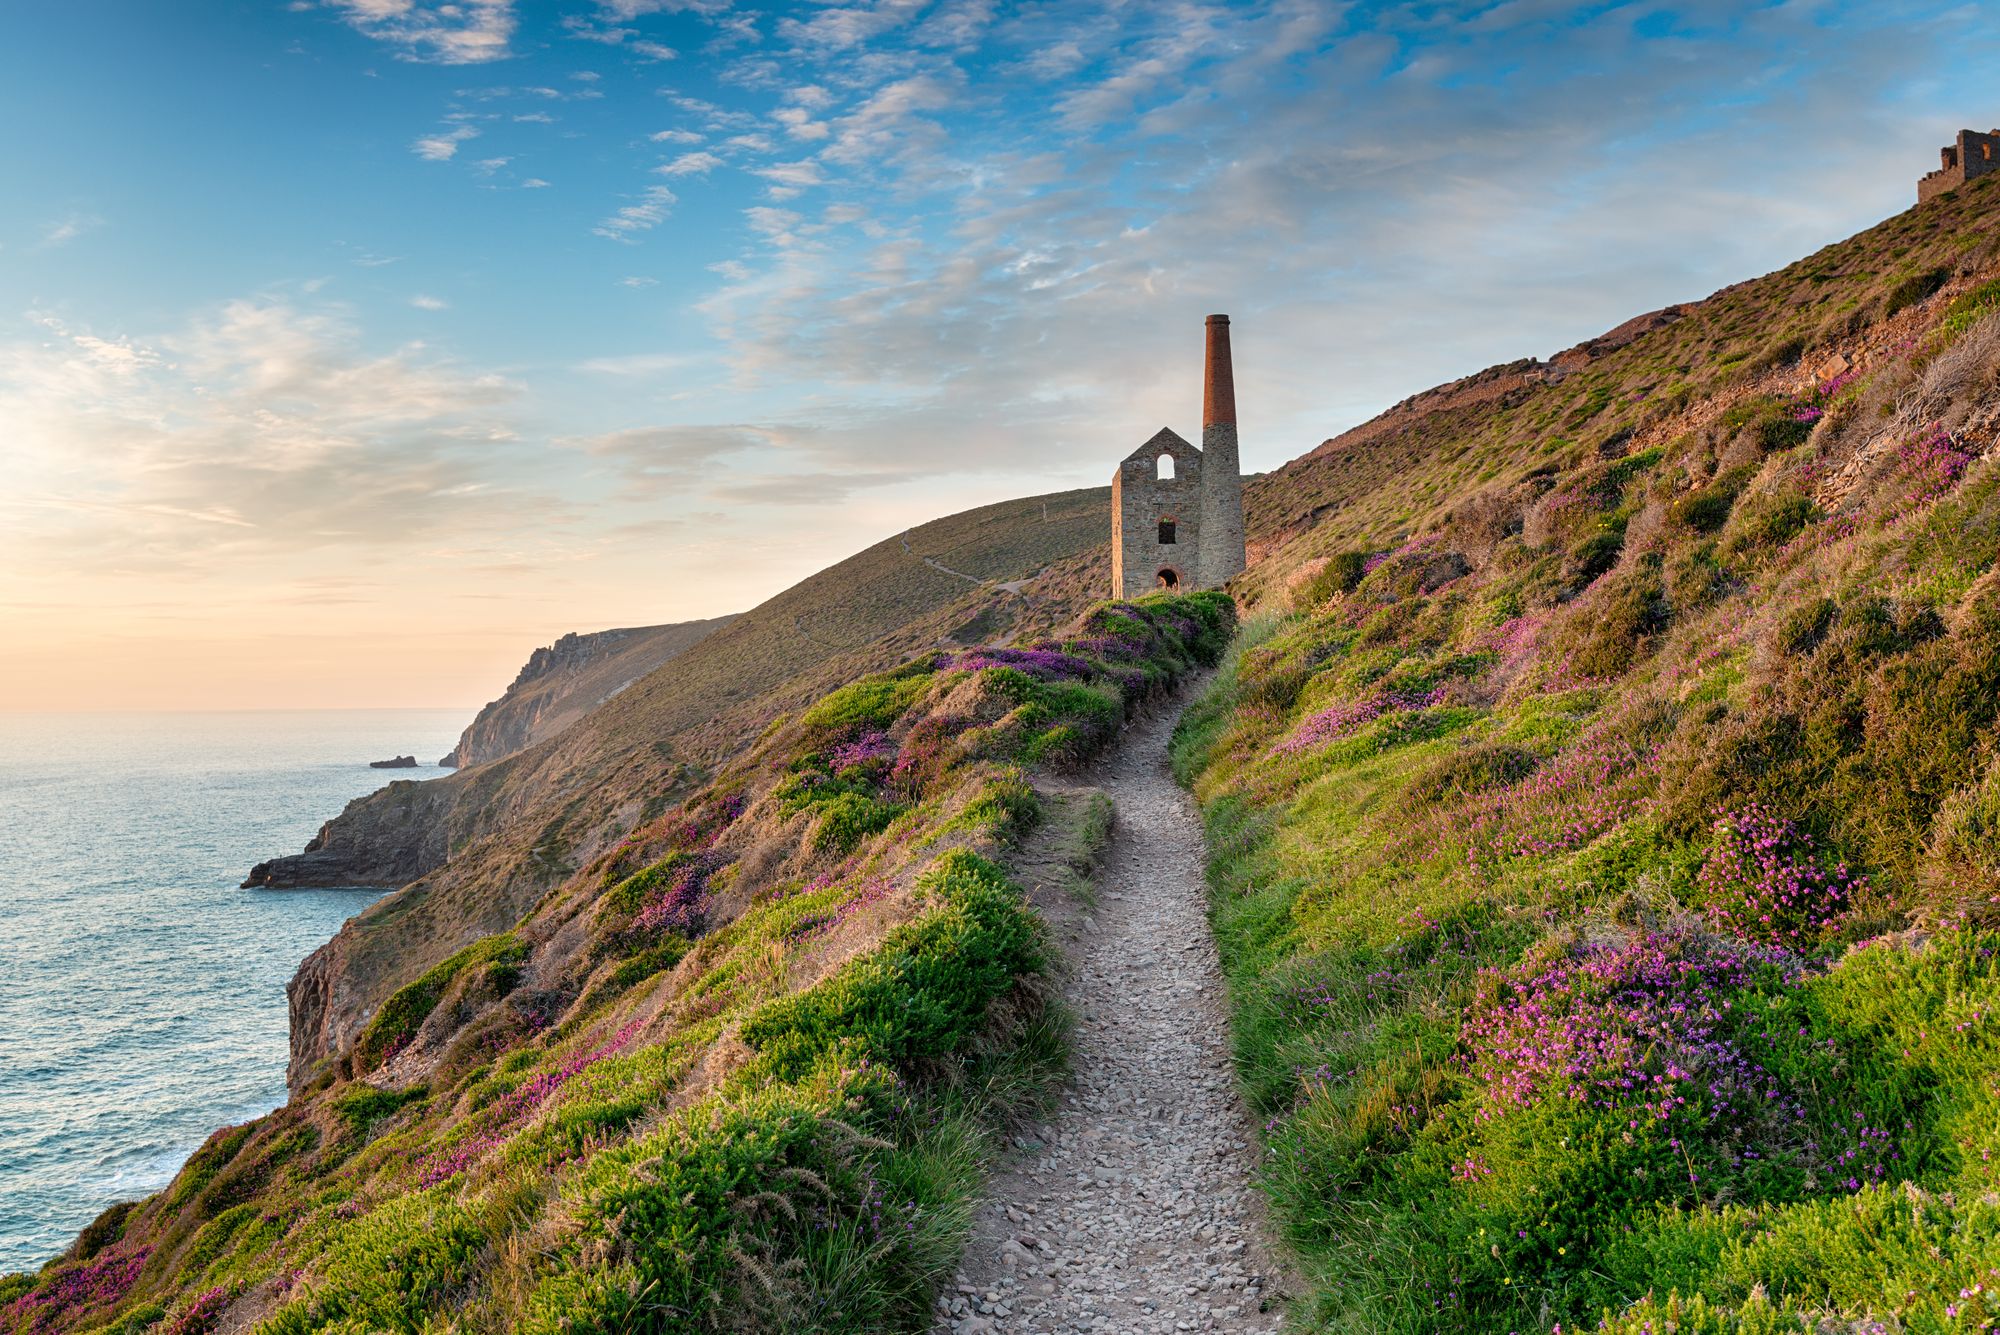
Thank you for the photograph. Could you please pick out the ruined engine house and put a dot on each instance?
(1177, 510)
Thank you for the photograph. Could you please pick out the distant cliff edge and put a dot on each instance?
(562, 682)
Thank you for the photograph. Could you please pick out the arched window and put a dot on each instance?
(1167, 531)
(1166, 579)
(1166, 473)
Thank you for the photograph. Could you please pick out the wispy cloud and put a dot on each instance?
(460, 32)
(688, 164)
(443, 146)
(425, 302)
(65, 230)
(649, 212)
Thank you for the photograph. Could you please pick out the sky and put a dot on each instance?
(350, 349)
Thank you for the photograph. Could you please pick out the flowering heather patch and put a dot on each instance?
(1650, 1026)
(867, 749)
(1763, 883)
(536, 1092)
(925, 751)
(447, 1164)
(98, 1282)
(1568, 802)
(1350, 716)
(1105, 646)
(1937, 460)
(1041, 664)
(681, 904)
(200, 1316)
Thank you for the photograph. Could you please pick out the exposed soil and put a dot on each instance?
(1132, 1209)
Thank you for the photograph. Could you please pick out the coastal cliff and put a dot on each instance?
(562, 682)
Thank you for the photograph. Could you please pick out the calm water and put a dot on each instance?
(142, 994)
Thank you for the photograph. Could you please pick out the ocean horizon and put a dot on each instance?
(141, 990)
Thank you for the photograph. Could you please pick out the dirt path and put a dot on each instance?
(934, 564)
(1132, 1211)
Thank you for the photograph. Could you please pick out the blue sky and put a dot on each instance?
(350, 348)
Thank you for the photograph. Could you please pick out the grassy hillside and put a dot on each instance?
(735, 1074)
(566, 680)
(1605, 814)
(484, 845)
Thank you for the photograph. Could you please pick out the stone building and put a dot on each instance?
(1973, 156)
(1177, 511)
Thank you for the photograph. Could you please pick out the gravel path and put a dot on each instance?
(1132, 1209)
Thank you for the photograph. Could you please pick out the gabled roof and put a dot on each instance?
(1164, 441)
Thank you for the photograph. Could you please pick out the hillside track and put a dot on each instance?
(1132, 1209)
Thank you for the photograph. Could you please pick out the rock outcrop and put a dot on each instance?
(562, 682)
(386, 839)
(400, 762)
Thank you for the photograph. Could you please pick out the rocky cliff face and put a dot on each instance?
(562, 682)
(385, 839)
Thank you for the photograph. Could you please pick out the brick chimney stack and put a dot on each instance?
(1222, 549)
(1218, 396)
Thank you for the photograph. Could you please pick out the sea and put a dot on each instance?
(142, 993)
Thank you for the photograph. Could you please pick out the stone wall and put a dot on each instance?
(1971, 157)
(1140, 499)
(1222, 551)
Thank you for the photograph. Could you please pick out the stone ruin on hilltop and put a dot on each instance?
(1177, 511)
(1973, 156)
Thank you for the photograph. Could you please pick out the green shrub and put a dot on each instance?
(1629, 612)
(1342, 573)
(662, 955)
(848, 818)
(409, 1006)
(1767, 521)
(402, 1267)
(1969, 309)
(923, 993)
(872, 702)
(1915, 288)
(1005, 809)
(361, 1106)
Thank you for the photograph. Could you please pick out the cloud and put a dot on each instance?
(637, 281)
(841, 29)
(462, 32)
(650, 211)
(425, 302)
(534, 183)
(65, 230)
(688, 164)
(443, 146)
(675, 137)
(799, 123)
(260, 418)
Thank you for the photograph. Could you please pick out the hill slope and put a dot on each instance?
(479, 847)
(1605, 820)
(562, 682)
(738, 1073)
